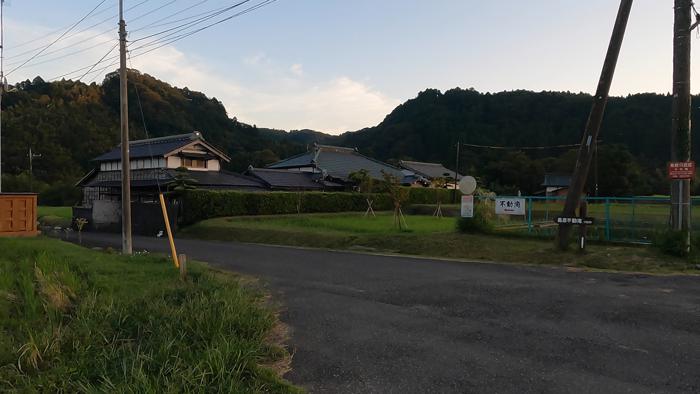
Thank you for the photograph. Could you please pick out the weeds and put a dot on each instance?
(73, 320)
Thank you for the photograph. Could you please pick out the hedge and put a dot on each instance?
(205, 204)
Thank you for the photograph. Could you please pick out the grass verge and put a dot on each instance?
(77, 320)
(428, 236)
(54, 216)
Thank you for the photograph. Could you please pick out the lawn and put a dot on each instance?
(78, 320)
(54, 216)
(427, 236)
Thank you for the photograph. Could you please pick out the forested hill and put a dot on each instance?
(69, 123)
(428, 127)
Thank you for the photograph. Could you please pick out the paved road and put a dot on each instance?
(373, 324)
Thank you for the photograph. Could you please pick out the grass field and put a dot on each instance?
(427, 236)
(77, 320)
(54, 216)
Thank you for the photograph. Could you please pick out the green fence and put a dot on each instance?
(618, 219)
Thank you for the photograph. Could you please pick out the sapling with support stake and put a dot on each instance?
(398, 195)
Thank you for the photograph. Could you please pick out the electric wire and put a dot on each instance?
(164, 42)
(51, 33)
(57, 39)
(522, 147)
(157, 23)
(99, 61)
(193, 23)
(77, 33)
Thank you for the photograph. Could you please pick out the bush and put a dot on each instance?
(671, 242)
(205, 204)
(481, 222)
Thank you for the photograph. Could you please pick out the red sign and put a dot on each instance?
(681, 170)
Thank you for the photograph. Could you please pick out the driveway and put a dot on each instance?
(378, 324)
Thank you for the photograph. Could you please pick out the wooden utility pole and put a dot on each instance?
(590, 135)
(126, 167)
(680, 123)
(2, 78)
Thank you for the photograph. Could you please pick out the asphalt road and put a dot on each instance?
(375, 324)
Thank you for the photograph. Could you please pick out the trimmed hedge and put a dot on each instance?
(205, 204)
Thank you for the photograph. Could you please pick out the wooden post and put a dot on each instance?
(595, 118)
(173, 252)
(183, 266)
(127, 243)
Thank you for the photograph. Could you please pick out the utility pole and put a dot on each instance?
(590, 135)
(680, 123)
(2, 78)
(32, 155)
(126, 167)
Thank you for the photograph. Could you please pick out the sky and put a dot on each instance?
(336, 66)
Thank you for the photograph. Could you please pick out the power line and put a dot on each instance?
(157, 23)
(545, 147)
(190, 33)
(24, 43)
(163, 42)
(75, 34)
(193, 23)
(56, 40)
(99, 61)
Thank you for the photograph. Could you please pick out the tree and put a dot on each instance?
(398, 196)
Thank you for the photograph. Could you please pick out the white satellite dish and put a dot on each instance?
(467, 185)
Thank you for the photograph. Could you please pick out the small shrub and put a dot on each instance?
(481, 222)
(672, 242)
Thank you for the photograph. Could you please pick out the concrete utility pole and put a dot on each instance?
(590, 135)
(680, 124)
(126, 167)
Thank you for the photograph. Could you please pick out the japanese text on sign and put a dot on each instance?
(510, 206)
(563, 220)
(681, 170)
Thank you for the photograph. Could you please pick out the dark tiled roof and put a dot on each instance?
(153, 178)
(429, 170)
(554, 180)
(154, 147)
(287, 180)
(221, 179)
(338, 162)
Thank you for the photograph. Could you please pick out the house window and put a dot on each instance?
(194, 163)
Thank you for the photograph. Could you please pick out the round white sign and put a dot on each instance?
(467, 185)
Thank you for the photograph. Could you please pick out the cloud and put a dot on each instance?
(269, 96)
(297, 69)
(334, 106)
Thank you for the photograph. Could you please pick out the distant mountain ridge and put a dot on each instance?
(69, 123)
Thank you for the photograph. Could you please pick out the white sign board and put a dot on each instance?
(510, 206)
(467, 210)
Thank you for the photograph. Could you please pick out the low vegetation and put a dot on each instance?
(206, 204)
(427, 236)
(54, 216)
(76, 320)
